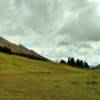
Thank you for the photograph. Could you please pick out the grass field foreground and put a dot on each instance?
(25, 79)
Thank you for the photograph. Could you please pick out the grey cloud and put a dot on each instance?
(85, 45)
(84, 26)
(54, 28)
(76, 44)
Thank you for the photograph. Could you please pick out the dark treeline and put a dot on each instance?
(9, 51)
(78, 63)
(5, 50)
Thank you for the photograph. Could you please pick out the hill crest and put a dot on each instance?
(16, 49)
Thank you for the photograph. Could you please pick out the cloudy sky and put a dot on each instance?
(54, 28)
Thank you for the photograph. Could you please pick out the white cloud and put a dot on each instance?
(54, 28)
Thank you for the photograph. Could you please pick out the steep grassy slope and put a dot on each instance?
(25, 79)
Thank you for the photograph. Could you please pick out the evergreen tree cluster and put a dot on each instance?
(78, 63)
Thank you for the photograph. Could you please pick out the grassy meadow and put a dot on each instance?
(25, 79)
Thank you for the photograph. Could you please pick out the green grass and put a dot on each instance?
(25, 79)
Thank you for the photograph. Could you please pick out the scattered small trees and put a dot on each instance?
(63, 62)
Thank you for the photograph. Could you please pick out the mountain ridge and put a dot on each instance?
(16, 49)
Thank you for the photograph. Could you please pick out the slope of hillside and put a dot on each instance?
(16, 64)
(25, 79)
(20, 49)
